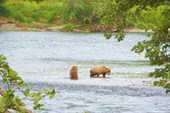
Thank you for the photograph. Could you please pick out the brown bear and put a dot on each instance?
(74, 73)
(97, 70)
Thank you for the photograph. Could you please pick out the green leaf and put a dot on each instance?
(2, 57)
(107, 35)
(53, 92)
(27, 91)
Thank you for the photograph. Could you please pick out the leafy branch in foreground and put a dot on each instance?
(164, 75)
(149, 15)
(12, 84)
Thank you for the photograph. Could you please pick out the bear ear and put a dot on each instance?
(108, 69)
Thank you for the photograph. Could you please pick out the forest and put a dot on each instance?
(82, 14)
(71, 13)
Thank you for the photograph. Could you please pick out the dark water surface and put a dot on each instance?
(43, 59)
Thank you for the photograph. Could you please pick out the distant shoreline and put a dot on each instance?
(14, 27)
(11, 25)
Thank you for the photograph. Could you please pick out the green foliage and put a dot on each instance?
(50, 12)
(69, 27)
(28, 12)
(164, 75)
(157, 49)
(147, 14)
(55, 12)
(9, 100)
(108, 35)
(38, 1)
(20, 10)
(2, 2)
(77, 10)
(158, 14)
(3, 10)
(47, 12)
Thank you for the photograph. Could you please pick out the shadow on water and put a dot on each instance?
(130, 90)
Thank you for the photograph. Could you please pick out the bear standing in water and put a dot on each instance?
(97, 70)
(74, 73)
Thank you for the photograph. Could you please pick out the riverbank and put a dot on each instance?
(12, 25)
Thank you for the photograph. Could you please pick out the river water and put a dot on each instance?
(43, 59)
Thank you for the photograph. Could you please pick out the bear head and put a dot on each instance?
(108, 71)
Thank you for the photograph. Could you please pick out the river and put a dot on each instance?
(43, 59)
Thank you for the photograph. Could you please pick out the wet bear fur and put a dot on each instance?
(74, 73)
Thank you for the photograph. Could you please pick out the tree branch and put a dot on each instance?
(12, 106)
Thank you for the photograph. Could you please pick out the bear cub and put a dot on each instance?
(74, 73)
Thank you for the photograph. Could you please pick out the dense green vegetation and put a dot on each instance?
(51, 11)
(3, 9)
(146, 14)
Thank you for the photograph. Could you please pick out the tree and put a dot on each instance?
(11, 82)
(129, 13)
